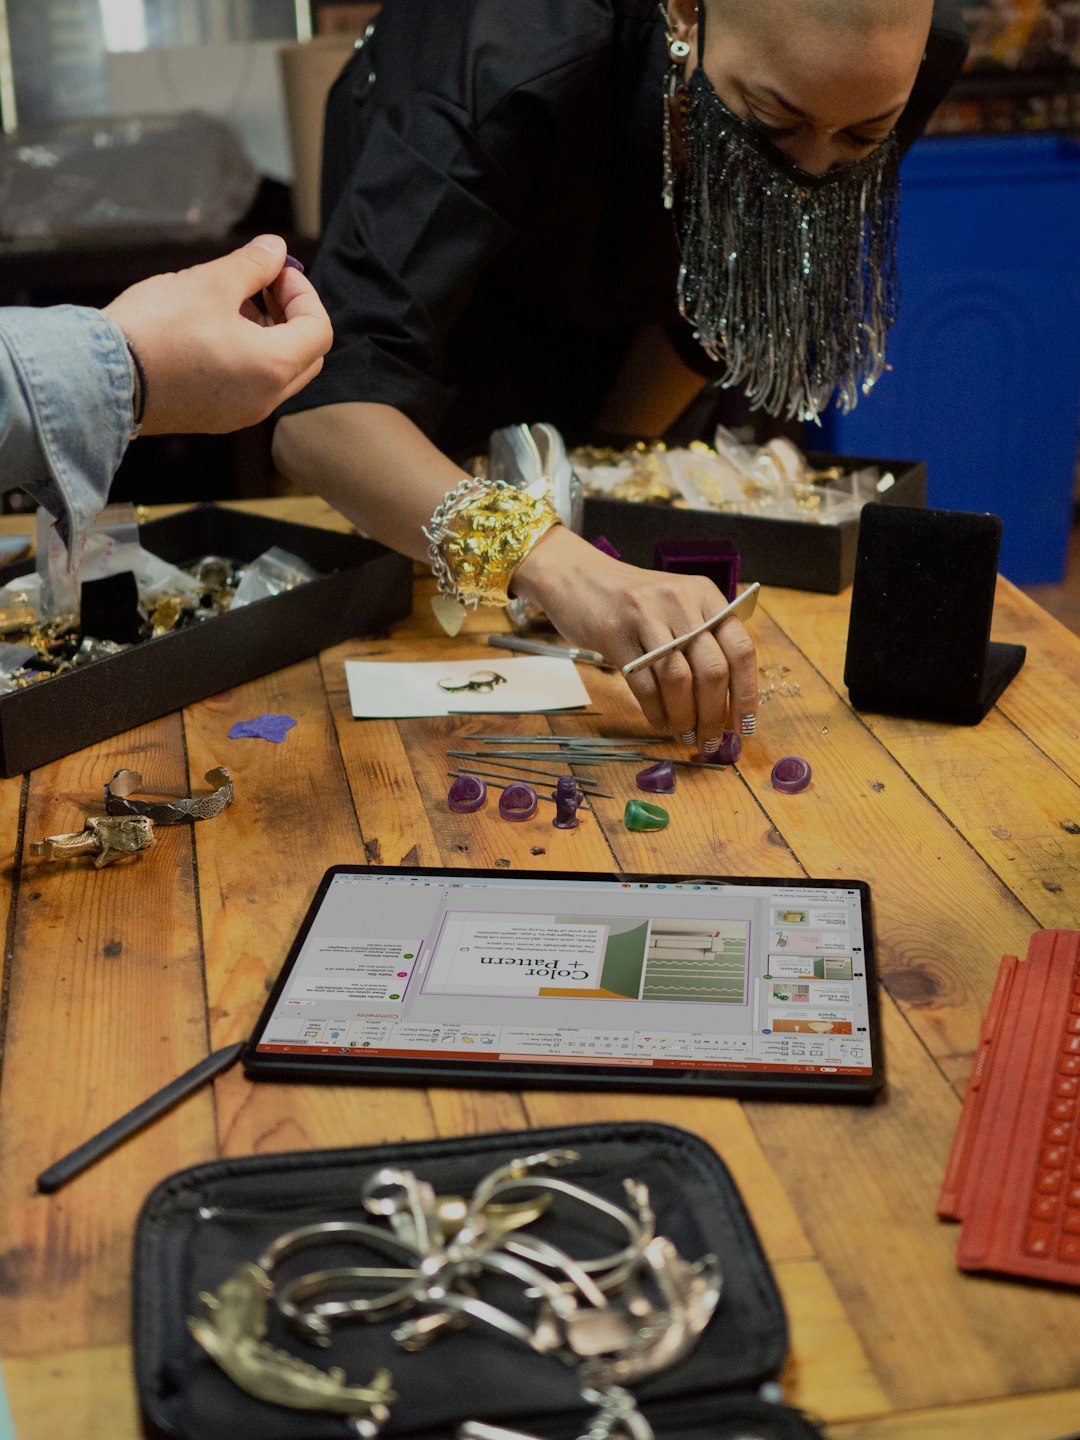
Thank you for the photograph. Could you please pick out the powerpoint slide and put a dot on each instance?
(806, 992)
(797, 917)
(825, 1022)
(808, 967)
(786, 917)
(702, 961)
(570, 956)
(339, 967)
(809, 942)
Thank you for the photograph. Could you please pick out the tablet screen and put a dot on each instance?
(578, 970)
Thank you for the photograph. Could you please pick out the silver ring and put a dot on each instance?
(314, 1321)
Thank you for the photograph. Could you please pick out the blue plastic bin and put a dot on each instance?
(985, 359)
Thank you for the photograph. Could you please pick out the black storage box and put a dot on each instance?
(793, 553)
(361, 588)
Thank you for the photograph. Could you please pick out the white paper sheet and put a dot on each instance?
(395, 689)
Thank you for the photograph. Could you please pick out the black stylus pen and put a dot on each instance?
(120, 1130)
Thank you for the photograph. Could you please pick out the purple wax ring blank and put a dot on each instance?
(518, 802)
(291, 263)
(466, 794)
(729, 751)
(791, 774)
(658, 779)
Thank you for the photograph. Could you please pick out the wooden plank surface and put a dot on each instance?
(105, 1002)
(1012, 791)
(1052, 1416)
(83, 1394)
(293, 818)
(967, 836)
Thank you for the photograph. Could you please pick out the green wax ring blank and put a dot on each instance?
(641, 815)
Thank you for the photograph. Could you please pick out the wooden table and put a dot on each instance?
(115, 981)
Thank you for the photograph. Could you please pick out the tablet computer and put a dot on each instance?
(579, 979)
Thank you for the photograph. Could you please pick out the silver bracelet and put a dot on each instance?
(169, 812)
(451, 505)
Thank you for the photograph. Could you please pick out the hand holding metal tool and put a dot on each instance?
(743, 607)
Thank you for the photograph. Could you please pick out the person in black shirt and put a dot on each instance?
(497, 250)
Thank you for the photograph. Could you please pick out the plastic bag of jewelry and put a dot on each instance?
(774, 479)
(12, 658)
(600, 1279)
(271, 573)
(20, 603)
(111, 545)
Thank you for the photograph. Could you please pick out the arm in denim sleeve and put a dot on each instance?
(66, 384)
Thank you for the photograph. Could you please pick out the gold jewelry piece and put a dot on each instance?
(230, 1325)
(106, 837)
(169, 812)
(167, 612)
(479, 535)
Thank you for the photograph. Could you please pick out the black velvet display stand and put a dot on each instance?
(921, 605)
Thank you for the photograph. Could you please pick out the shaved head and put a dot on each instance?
(860, 15)
(825, 78)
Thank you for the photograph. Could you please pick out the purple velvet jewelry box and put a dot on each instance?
(792, 553)
(717, 560)
(360, 589)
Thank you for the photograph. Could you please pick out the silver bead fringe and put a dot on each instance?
(789, 279)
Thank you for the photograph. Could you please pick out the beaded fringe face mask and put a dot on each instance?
(789, 279)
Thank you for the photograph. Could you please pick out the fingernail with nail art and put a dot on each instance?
(710, 747)
(689, 736)
(748, 724)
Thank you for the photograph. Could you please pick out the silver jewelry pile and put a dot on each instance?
(614, 1319)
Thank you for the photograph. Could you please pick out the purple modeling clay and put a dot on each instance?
(291, 263)
(263, 727)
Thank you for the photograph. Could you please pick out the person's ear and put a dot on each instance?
(682, 17)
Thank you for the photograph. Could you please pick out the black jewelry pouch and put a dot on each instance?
(197, 1227)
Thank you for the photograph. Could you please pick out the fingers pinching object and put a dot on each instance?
(791, 774)
(727, 752)
(641, 815)
(743, 607)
